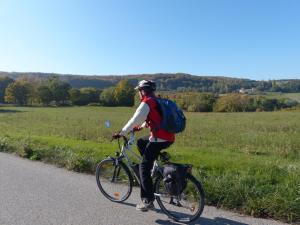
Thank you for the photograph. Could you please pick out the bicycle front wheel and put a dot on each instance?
(114, 180)
(187, 206)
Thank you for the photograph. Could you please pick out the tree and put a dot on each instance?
(269, 104)
(75, 96)
(194, 101)
(17, 93)
(31, 85)
(44, 95)
(234, 103)
(90, 95)
(107, 97)
(84, 96)
(4, 82)
(124, 93)
(202, 103)
(59, 89)
(275, 87)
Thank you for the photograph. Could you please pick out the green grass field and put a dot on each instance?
(292, 96)
(249, 162)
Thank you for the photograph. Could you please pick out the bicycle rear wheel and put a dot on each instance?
(186, 207)
(114, 181)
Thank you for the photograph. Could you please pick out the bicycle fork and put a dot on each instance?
(116, 173)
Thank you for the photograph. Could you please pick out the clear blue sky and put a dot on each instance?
(257, 39)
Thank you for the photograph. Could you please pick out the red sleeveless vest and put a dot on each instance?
(153, 121)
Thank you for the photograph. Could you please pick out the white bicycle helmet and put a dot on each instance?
(147, 85)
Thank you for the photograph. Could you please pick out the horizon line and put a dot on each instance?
(140, 74)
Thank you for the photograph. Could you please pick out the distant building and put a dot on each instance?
(247, 91)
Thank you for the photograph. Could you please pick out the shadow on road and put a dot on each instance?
(134, 205)
(200, 221)
(204, 221)
(128, 204)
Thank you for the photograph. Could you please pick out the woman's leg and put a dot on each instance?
(142, 143)
(149, 155)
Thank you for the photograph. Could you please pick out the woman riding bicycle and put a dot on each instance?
(147, 115)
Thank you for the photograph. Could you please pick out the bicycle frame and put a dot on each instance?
(126, 151)
(127, 147)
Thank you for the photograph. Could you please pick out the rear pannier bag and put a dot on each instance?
(175, 179)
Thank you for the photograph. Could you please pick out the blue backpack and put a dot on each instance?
(173, 119)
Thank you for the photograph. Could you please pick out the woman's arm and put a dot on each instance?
(138, 118)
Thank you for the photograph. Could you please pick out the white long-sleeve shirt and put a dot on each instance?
(138, 118)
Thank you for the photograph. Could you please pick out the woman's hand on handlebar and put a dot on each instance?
(119, 135)
(137, 128)
(116, 135)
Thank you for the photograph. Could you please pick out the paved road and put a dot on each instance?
(33, 193)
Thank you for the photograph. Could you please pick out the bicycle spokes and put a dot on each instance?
(114, 182)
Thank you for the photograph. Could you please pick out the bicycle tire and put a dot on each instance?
(169, 213)
(120, 166)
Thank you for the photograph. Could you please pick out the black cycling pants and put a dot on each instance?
(149, 151)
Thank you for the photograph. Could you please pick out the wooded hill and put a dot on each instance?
(171, 82)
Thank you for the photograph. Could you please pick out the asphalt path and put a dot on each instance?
(34, 193)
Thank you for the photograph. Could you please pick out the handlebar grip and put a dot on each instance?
(118, 136)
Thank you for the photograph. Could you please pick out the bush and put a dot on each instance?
(25, 150)
(80, 163)
(234, 103)
(193, 102)
(94, 104)
(4, 144)
(269, 104)
(192, 108)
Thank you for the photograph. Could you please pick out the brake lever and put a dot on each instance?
(125, 139)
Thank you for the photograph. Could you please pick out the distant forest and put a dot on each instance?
(54, 90)
(171, 82)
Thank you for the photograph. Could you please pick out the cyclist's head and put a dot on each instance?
(146, 87)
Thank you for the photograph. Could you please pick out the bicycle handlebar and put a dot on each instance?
(115, 137)
(118, 136)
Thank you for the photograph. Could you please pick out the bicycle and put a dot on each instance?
(115, 175)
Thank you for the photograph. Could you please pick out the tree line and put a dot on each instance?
(234, 102)
(179, 82)
(53, 91)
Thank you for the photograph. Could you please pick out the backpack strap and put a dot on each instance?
(156, 126)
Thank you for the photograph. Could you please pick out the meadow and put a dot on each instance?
(248, 162)
(292, 96)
